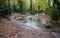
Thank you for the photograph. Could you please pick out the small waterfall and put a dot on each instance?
(29, 22)
(32, 21)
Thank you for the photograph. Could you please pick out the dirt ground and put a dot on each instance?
(11, 30)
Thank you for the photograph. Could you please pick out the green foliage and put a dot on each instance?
(55, 13)
(19, 7)
(4, 9)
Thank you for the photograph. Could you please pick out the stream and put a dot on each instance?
(28, 22)
(31, 22)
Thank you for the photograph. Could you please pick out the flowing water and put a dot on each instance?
(29, 22)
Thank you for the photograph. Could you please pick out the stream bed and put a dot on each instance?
(28, 22)
(31, 23)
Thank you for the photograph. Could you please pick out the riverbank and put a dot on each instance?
(10, 30)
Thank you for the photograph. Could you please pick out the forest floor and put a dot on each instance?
(8, 29)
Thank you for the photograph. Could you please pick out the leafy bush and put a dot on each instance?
(55, 15)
